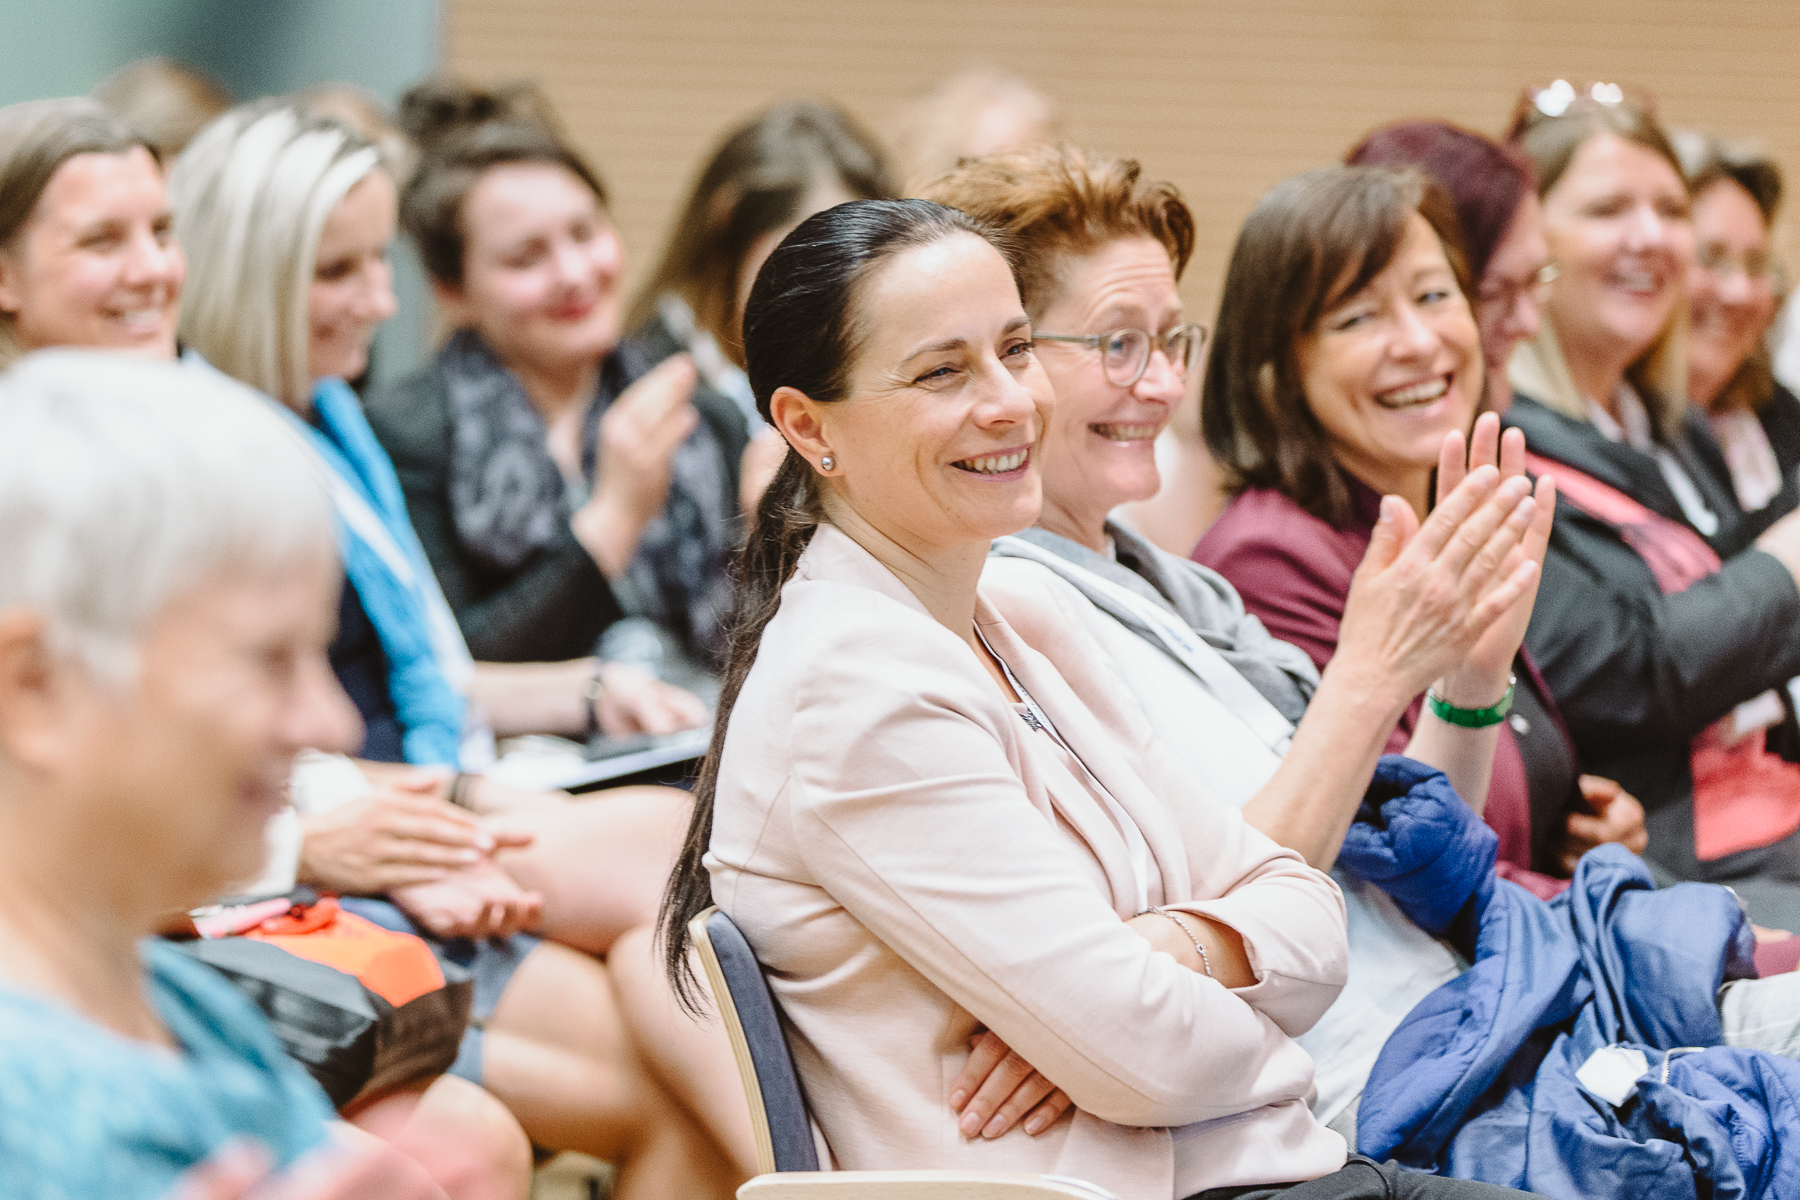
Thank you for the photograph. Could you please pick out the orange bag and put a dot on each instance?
(395, 966)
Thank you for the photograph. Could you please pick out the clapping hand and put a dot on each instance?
(1492, 655)
(1453, 593)
(639, 436)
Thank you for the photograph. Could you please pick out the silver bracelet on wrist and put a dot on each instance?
(590, 695)
(1205, 962)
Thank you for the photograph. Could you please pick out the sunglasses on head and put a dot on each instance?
(1560, 98)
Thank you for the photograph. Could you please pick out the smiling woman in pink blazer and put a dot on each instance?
(929, 838)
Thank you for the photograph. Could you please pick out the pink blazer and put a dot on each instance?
(907, 878)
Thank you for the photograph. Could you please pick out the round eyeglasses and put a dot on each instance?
(1125, 353)
(1507, 292)
(1754, 265)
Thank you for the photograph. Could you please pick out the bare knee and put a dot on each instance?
(634, 963)
(601, 862)
(556, 1053)
(463, 1136)
(691, 1056)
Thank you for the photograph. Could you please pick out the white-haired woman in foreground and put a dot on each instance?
(167, 580)
(88, 259)
(286, 220)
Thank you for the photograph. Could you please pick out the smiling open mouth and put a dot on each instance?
(1414, 395)
(1639, 282)
(142, 319)
(1127, 433)
(994, 464)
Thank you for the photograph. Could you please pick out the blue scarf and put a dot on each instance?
(429, 710)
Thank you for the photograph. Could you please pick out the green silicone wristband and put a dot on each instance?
(1472, 718)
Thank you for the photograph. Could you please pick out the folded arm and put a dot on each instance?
(1630, 667)
(922, 829)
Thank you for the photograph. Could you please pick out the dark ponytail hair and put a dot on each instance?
(801, 330)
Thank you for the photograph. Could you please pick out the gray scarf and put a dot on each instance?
(1200, 597)
(509, 501)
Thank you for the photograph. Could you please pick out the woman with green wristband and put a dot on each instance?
(1347, 352)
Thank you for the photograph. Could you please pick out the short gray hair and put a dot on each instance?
(123, 483)
(251, 195)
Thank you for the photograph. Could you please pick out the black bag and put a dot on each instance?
(347, 1037)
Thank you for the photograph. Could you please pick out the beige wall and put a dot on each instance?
(1223, 96)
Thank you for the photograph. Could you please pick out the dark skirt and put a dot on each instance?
(1365, 1179)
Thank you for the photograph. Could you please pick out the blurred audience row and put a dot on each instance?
(1484, 463)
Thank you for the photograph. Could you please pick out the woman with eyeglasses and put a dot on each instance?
(928, 831)
(1667, 617)
(1732, 299)
(1342, 315)
(1248, 714)
(1494, 189)
(1100, 247)
(1347, 354)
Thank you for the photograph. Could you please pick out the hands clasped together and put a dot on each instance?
(433, 859)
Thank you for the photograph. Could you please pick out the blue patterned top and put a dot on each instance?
(87, 1113)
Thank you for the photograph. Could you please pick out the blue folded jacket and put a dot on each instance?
(1416, 840)
(1479, 1081)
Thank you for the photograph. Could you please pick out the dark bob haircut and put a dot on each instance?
(1312, 242)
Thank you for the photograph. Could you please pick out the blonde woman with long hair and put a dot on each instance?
(286, 218)
(1667, 619)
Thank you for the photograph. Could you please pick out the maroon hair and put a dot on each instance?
(1485, 179)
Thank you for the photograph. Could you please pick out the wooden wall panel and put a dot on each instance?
(1225, 97)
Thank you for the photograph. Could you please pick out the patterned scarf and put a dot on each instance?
(509, 500)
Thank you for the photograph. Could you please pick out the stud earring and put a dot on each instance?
(828, 463)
